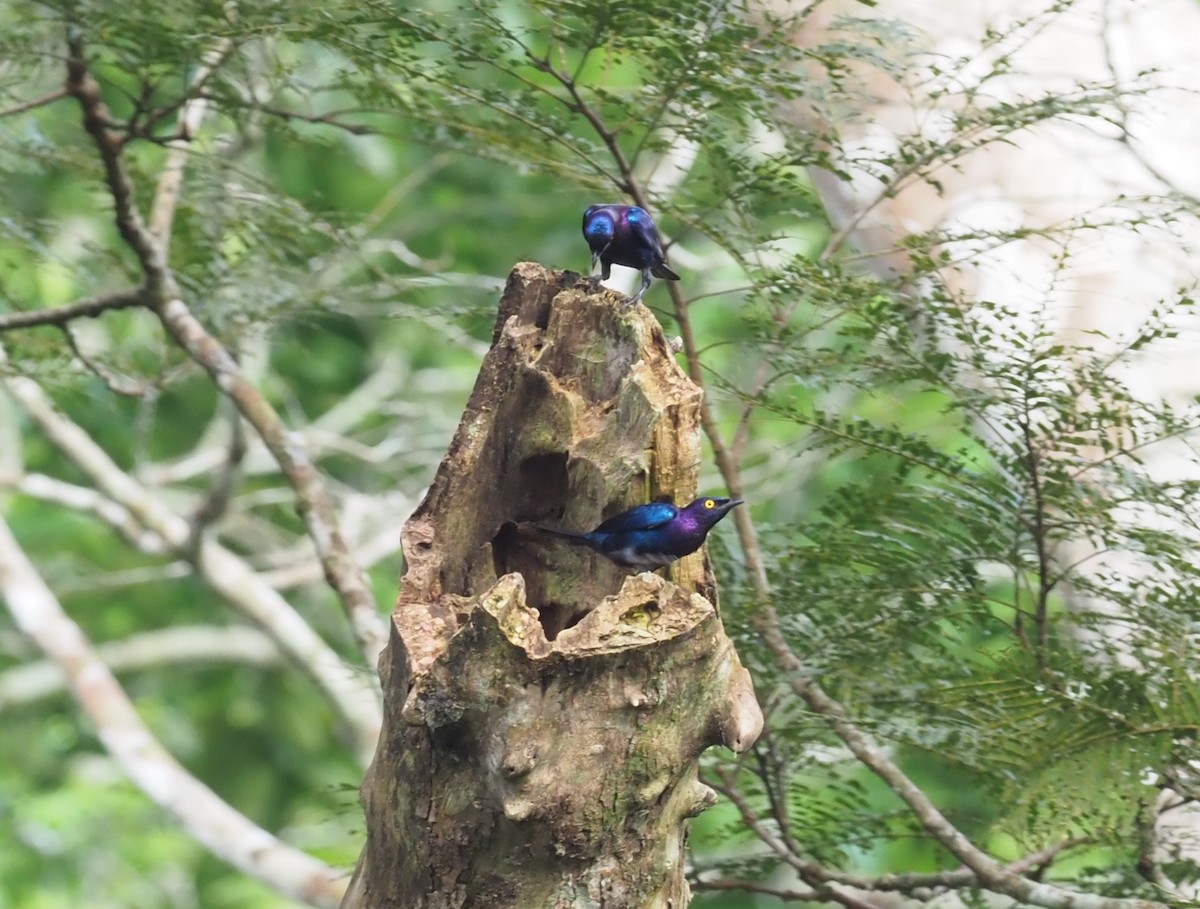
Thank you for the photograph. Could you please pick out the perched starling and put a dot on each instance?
(625, 235)
(653, 535)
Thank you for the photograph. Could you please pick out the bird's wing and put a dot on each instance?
(647, 235)
(643, 517)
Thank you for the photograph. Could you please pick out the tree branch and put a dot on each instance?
(1040, 535)
(170, 179)
(990, 873)
(786, 894)
(221, 484)
(339, 422)
(815, 873)
(169, 646)
(118, 385)
(342, 571)
(48, 98)
(370, 550)
(351, 692)
(82, 86)
(81, 499)
(198, 810)
(89, 308)
(811, 873)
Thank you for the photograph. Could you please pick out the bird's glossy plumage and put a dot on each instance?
(625, 235)
(655, 534)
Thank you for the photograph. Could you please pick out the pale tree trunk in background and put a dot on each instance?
(530, 757)
(1052, 174)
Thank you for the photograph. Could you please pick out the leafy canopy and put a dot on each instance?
(961, 532)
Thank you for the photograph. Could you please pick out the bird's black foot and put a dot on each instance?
(645, 287)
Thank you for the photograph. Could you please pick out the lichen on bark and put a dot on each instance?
(545, 710)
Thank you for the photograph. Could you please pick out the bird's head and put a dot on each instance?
(598, 225)
(708, 509)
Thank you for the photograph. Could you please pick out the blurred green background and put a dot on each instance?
(326, 256)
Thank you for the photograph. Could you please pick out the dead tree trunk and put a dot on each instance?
(546, 711)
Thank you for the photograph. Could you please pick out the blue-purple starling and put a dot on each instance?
(653, 535)
(625, 235)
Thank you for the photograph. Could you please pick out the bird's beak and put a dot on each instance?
(729, 506)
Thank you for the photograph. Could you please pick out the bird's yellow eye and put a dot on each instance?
(709, 503)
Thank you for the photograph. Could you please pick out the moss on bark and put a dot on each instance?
(540, 750)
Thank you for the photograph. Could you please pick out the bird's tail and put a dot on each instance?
(662, 271)
(581, 538)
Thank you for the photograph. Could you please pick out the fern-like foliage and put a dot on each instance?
(962, 536)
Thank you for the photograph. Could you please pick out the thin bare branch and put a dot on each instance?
(221, 485)
(48, 98)
(189, 644)
(787, 894)
(332, 118)
(1041, 541)
(342, 571)
(82, 86)
(118, 385)
(301, 572)
(81, 499)
(198, 810)
(810, 872)
(126, 577)
(353, 693)
(88, 308)
(1122, 120)
(170, 179)
(934, 158)
(741, 434)
(817, 874)
(991, 874)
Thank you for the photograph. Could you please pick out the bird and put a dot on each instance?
(625, 235)
(650, 536)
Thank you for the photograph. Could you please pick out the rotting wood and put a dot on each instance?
(540, 750)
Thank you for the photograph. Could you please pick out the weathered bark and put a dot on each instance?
(532, 758)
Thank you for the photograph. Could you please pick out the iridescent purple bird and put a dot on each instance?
(625, 235)
(653, 535)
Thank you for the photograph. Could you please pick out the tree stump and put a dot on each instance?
(545, 710)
